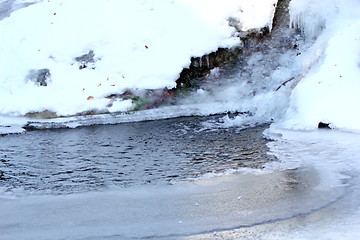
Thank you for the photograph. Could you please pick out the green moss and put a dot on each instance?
(139, 103)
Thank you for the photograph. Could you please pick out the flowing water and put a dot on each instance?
(181, 178)
(98, 157)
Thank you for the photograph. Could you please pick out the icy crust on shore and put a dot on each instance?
(67, 56)
(334, 155)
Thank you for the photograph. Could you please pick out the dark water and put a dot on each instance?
(98, 157)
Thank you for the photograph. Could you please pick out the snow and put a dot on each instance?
(324, 77)
(136, 45)
(249, 15)
(329, 89)
(145, 45)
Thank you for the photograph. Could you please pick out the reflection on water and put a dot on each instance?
(97, 157)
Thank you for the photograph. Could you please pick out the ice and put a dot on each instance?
(163, 211)
(335, 155)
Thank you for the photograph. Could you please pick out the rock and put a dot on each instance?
(86, 60)
(41, 115)
(200, 66)
(325, 125)
(41, 77)
(282, 15)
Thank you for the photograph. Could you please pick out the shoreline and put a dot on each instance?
(230, 205)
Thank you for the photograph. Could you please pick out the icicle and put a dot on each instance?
(307, 18)
(309, 24)
(208, 61)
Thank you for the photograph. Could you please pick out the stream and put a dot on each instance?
(181, 178)
(98, 157)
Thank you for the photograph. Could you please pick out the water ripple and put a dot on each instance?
(66, 161)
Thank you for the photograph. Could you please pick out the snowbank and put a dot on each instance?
(68, 56)
(329, 90)
(85, 52)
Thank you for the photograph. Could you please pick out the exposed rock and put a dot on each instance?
(325, 125)
(41, 77)
(41, 115)
(88, 113)
(200, 66)
(282, 15)
(86, 60)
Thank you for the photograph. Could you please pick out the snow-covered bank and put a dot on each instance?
(74, 54)
(87, 52)
(329, 90)
(320, 84)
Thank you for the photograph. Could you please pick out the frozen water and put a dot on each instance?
(335, 155)
(167, 211)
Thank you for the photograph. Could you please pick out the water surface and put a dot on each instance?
(98, 157)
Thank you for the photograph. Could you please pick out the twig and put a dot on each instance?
(284, 83)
